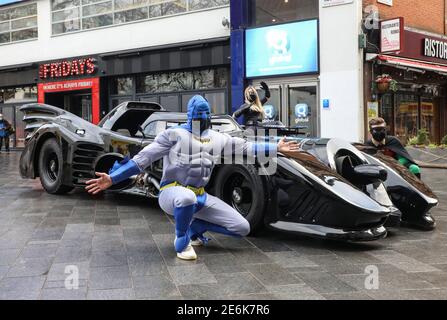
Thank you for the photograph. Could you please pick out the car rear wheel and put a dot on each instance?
(51, 168)
(242, 188)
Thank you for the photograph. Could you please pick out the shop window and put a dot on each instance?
(217, 102)
(66, 14)
(170, 103)
(430, 117)
(18, 23)
(182, 81)
(18, 95)
(386, 111)
(407, 116)
(266, 12)
(122, 86)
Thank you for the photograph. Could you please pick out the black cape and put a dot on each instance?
(393, 144)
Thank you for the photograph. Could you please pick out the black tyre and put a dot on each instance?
(242, 188)
(51, 168)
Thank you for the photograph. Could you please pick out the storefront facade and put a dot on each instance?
(87, 58)
(311, 67)
(419, 99)
(91, 86)
(265, 49)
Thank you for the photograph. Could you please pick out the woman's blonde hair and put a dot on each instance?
(256, 105)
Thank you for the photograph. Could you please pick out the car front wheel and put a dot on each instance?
(242, 188)
(51, 168)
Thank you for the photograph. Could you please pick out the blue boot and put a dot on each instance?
(199, 227)
(183, 217)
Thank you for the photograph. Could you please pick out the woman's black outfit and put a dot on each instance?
(251, 117)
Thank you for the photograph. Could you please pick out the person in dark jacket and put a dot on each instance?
(252, 109)
(391, 146)
(5, 131)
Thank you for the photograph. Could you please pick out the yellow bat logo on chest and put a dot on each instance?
(203, 140)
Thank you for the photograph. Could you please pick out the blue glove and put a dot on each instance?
(123, 170)
(118, 164)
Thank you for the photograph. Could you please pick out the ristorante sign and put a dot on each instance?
(65, 69)
(435, 48)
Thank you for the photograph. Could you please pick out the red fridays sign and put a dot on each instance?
(77, 67)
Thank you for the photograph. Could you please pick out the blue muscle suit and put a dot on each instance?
(189, 156)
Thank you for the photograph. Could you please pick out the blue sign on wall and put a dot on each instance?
(282, 49)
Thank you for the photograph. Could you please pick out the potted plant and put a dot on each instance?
(385, 82)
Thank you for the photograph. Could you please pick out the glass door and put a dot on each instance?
(302, 108)
(294, 103)
(80, 105)
(20, 128)
(272, 108)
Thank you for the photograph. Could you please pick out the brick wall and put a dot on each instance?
(428, 15)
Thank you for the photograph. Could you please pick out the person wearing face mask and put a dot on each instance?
(5, 131)
(391, 146)
(252, 109)
(189, 154)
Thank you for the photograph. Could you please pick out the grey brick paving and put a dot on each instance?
(123, 248)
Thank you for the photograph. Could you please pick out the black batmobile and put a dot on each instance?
(332, 189)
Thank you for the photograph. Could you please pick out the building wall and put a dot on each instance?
(424, 15)
(167, 30)
(341, 78)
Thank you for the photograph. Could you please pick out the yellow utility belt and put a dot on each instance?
(197, 191)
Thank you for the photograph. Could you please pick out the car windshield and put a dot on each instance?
(222, 125)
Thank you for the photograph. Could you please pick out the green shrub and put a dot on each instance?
(413, 141)
(422, 137)
(444, 141)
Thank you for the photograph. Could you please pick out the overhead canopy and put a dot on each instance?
(410, 63)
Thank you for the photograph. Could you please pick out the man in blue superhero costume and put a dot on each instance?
(189, 154)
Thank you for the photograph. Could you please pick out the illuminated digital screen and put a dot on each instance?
(282, 49)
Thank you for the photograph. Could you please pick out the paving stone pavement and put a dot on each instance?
(122, 247)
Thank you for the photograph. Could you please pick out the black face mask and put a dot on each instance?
(205, 124)
(379, 134)
(253, 98)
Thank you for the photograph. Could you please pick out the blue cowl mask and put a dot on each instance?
(199, 115)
